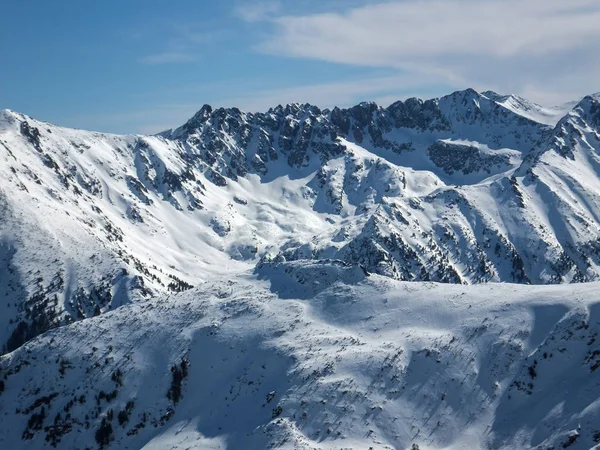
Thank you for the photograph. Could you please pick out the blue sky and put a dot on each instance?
(141, 66)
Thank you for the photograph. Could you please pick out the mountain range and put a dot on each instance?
(325, 257)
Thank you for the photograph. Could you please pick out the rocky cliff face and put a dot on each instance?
(233, 143)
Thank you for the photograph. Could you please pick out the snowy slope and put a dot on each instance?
(316, 355)
(530, 110)
(461, 189)
(293, 234)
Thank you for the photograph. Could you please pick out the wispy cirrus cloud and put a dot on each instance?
(336, 93)
(181, 42)
(512, 45)
(386, 33)
(257, 10)
(167, 58)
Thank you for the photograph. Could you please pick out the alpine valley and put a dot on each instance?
(421, 276)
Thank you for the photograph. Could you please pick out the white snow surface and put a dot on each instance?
(519, 105)
(319, 356)
(310, 245)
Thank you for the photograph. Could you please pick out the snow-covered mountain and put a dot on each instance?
(316, 356)
(468, 188)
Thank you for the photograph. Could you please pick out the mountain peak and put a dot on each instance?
(588, 100)
(493, 95)
(589, 110)
(463, 95)
(8, 114)
(9, 117)
(203, 113)
(194, 123)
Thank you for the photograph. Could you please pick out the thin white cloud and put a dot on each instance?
(511, 44)
(183, 42)
(327, 95)
(387, 32)
(167, 58)
(257, 10)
